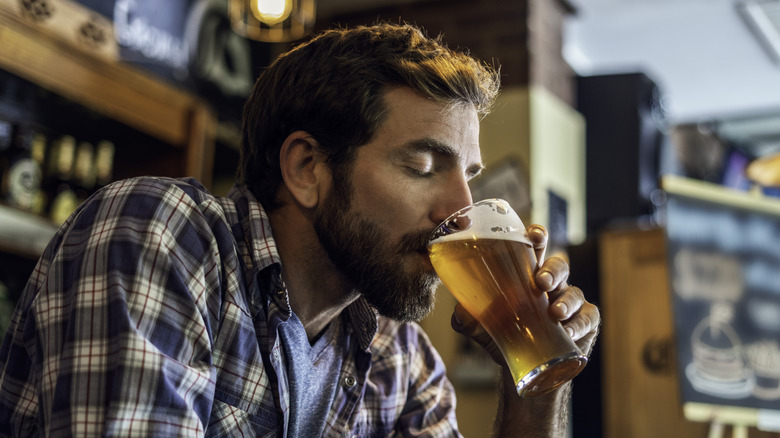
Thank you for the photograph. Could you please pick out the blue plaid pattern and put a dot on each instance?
(153, 312)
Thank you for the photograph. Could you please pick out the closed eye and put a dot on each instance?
(421, 164)
(425, 157)
(420, 172)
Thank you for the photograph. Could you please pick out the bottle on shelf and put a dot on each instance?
(22, 180)
(61, 183)
(104, 163)
(84, 171)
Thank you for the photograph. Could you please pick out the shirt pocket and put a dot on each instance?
(229, 420)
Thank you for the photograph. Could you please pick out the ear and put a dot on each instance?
(304, 170)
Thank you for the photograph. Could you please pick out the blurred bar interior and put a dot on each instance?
(645, 134)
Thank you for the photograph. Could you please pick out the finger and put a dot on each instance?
(538, 236)
(552, 275)
(566, 303)
(584, 326)
(462, 321)
(465, 324)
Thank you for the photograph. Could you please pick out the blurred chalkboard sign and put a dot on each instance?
(724, 265)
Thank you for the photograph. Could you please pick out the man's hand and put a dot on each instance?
(580, 318)
(546, 415)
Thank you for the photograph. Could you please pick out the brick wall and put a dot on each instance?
(545, 41)
(522, 36)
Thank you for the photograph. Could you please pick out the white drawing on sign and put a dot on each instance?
(708, 275)
(765, 312)
(719, 367)
(764, 358)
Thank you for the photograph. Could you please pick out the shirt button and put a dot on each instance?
(349, 381)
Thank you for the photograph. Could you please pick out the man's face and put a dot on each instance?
(405, 181)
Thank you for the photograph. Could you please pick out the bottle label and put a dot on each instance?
(24, 183)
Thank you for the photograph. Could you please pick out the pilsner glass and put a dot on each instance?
(483, 255)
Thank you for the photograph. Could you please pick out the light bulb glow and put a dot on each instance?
(271, 11)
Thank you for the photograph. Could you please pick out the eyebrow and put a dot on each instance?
(437, 147)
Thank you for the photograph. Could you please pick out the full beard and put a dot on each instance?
(375, 266)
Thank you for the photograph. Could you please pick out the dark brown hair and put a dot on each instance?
(332, 88)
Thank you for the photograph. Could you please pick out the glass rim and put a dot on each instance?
(436, 233)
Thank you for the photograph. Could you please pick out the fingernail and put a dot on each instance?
(570, 332)
(546, 278)
(563, 308)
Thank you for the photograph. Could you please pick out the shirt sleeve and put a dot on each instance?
(430, 405)
(112, 335)
(409, 388)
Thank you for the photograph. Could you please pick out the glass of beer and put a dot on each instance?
(483, 255)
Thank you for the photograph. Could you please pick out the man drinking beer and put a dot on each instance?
(288, 307)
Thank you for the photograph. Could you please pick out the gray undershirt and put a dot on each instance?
(312, 373)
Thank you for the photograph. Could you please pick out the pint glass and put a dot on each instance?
(483, 255)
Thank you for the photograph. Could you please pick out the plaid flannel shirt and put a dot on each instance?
(154, 312)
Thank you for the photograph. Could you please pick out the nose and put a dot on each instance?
(455, 194)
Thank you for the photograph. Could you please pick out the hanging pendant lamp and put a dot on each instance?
(272, 20)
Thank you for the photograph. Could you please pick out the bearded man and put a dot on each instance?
(286, 308)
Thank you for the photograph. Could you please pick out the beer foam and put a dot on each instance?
(488, 219)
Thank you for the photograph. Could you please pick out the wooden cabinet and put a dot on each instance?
(182, 125)
(640, 383)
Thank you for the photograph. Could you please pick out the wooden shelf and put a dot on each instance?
(24, 234)
(112, 89)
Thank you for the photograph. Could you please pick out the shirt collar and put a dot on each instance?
(261, 246)
(262, 259)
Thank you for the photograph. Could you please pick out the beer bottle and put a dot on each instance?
(64, 200)
(84, 172)
(38, 154)
(104, 163)
(22, 181)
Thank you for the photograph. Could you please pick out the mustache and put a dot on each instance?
(416, 241)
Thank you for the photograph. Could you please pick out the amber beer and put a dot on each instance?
(491, 275)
